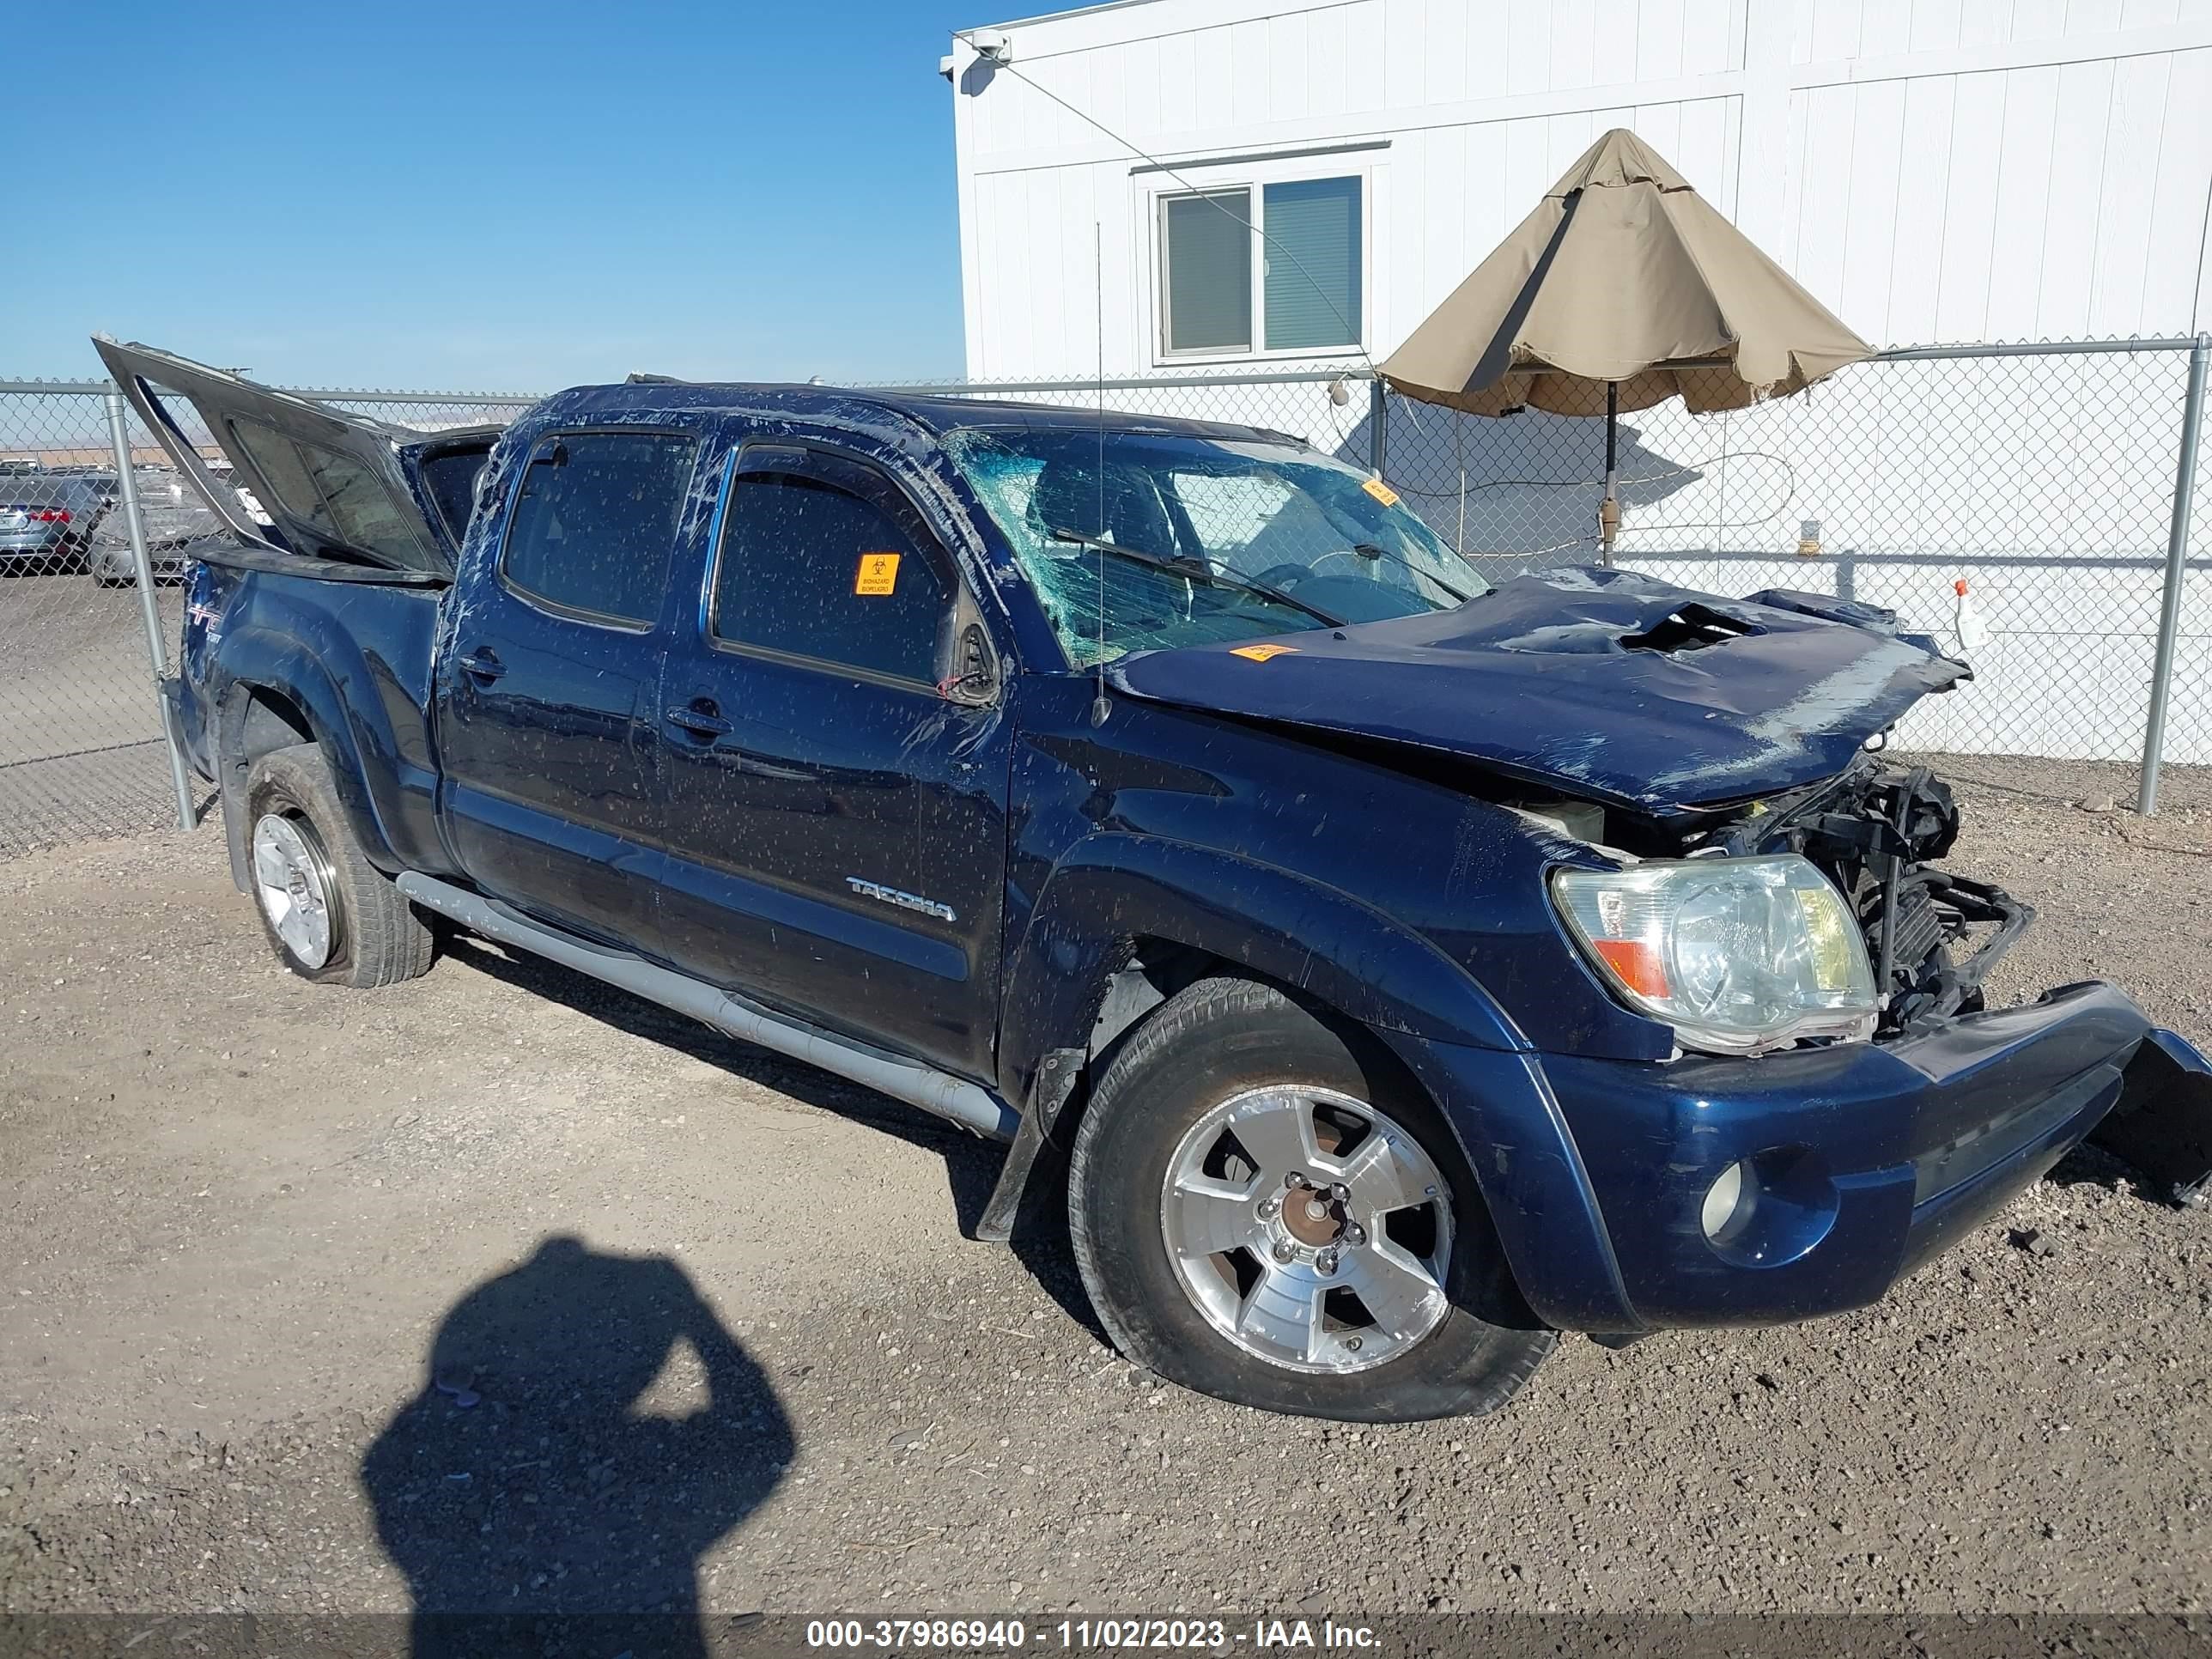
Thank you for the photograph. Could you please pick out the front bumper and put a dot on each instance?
(1877, 1156)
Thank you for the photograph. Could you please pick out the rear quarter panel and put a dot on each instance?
(355, 661)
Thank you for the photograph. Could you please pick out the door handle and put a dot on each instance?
(700, 718)
(483, 664)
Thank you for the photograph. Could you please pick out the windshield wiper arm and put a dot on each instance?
(1369, 550)
(1196, 571)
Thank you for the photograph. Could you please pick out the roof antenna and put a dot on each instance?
(1100, 708)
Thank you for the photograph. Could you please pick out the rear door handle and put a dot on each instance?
(700, 718)
(483, 664)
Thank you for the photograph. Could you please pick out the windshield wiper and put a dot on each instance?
(1369, 550)
(1196, 570)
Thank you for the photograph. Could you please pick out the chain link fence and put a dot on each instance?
(80, 741)
(83, 751)
(2017, 504)
(2043, 477)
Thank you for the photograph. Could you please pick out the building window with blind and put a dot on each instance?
(1272, 268)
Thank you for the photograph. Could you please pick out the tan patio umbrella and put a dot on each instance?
(1623, 289)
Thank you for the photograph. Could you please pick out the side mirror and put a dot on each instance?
(973, 679)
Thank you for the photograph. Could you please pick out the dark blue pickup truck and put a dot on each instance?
(1409, 969)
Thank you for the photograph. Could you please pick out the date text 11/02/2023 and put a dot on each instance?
(1079, 1635)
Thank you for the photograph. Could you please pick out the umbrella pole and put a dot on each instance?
(1608, 510)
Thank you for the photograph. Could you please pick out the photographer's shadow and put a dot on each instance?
(567, 1459)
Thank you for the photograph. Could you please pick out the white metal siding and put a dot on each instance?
(1933, 169)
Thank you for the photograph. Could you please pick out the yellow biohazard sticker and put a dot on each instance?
(878, 573)
(1381, 491)
(1263, 652)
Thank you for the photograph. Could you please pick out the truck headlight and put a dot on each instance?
(1738, 955)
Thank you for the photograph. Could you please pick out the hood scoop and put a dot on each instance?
(1608, 684)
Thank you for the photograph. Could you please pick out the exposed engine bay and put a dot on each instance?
(1876, 830)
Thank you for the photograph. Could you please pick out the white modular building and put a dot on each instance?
(1935, 170)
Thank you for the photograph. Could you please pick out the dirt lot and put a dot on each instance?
(528, 1292)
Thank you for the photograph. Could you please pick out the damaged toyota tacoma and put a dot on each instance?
(1407, 970)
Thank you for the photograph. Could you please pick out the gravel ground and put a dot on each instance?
(524, 1293)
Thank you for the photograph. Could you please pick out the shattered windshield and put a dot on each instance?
(1140, 541)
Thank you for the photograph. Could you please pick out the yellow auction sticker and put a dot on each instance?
(1263, 652)
(1381, 491)
(878, 573)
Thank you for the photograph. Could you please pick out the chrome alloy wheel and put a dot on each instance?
(1308, 1229)
(292, 882)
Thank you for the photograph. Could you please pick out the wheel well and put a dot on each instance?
(267, 720)
(1154, 970)
(272, 721)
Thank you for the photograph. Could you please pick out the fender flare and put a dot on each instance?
(258, 660)
(1114, 887)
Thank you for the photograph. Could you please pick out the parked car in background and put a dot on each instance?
(175, 514)
(48, 520)
(1411, 969)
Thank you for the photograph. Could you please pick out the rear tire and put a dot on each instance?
(330, 915)
(1265, 1322)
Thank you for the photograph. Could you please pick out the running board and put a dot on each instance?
(974, 1109)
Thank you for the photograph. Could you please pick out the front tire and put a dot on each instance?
(1265, 1210)
(330, 915)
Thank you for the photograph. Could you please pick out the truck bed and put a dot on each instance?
(340, 654)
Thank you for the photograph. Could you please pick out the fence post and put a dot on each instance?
(1378, 416)
(2177, 566)
(127, 485)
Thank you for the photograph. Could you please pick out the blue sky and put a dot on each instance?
(491, 195)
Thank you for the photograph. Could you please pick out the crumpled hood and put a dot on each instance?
(1606, 683)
